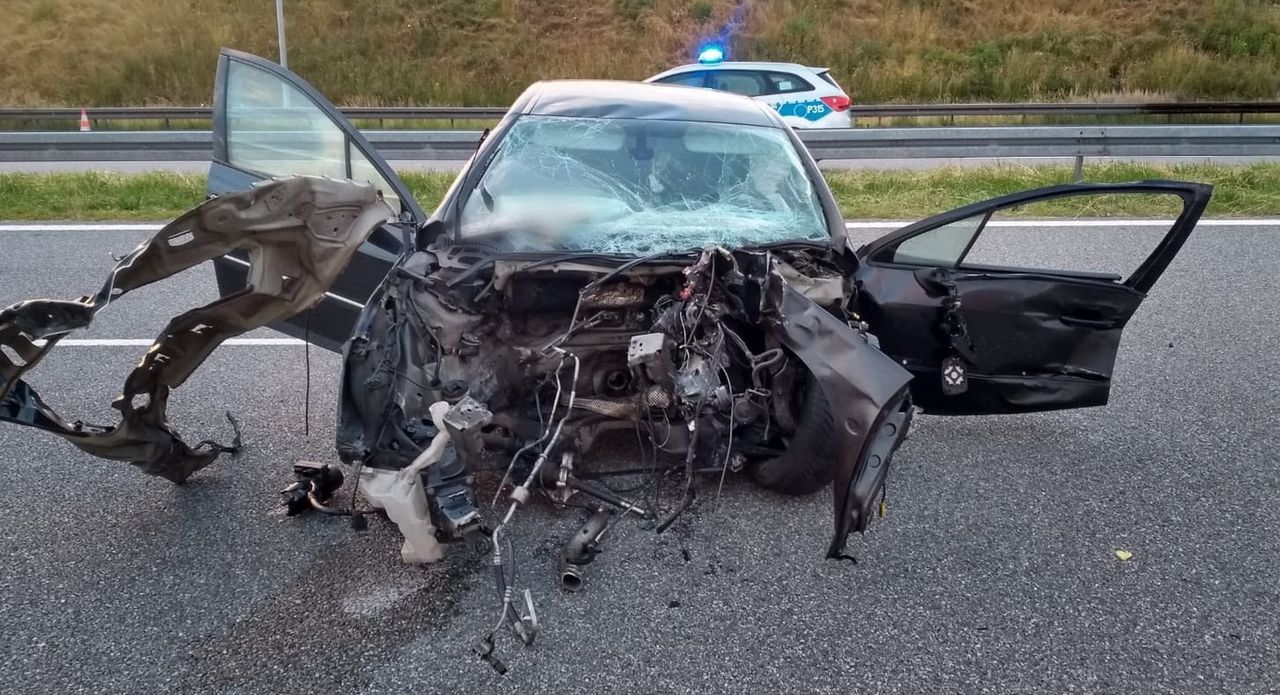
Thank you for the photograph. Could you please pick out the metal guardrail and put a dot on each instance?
(456, 113)
(106, 146)
(205, 113)
(844, 143)
(1191, 108)
(1045, 141)
(196, 145)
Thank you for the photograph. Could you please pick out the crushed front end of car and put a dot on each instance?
(718, 360)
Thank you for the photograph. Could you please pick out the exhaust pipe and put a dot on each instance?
(581, 549)
(570, 576)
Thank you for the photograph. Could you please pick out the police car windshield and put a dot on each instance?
(635, 186)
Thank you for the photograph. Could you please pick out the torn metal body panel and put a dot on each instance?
(299, 233)
(869, 400)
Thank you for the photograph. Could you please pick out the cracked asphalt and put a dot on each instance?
(994, 570)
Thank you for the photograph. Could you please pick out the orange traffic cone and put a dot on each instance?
(84, 121)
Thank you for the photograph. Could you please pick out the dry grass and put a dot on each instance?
(358, 52)
(483, 52)
(1014, 50)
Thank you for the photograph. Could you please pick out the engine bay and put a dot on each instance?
(465, 365)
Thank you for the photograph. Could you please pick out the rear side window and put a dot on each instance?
(786, 83)
(687, 79)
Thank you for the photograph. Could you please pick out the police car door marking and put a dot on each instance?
(811, 110)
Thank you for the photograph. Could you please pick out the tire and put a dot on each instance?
(808, 464)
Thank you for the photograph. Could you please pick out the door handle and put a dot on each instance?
(1100, 324)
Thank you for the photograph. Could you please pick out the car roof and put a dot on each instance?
(619, 99)
(741, 64)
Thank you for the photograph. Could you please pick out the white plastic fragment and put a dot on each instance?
(400, 494)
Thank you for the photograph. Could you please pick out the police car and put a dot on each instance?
(805, 97)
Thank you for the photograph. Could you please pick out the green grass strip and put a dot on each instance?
(1241, 191)
(98, 196)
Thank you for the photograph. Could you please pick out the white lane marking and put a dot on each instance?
(90, 227)
(146, 342)
(881, 224)
(892, 224)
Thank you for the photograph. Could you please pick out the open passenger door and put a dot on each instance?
(268, 122)
(982, 338)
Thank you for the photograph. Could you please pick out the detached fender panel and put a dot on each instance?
(299, 233)
(868, 396)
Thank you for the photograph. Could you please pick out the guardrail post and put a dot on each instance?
(1079, 168)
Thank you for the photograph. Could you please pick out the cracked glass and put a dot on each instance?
(640, 186)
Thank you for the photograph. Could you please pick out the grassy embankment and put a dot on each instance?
(483, 52)
(1241, 191)
(1029, 50)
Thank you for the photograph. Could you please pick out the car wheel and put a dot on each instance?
(808, 463)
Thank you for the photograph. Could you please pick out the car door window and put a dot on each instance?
(1093, 234)
(1090, 233)
(745, 82)
(687, 79)
(941, 247)
(273, 128)
(364, 170)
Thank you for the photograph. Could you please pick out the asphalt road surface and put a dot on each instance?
(994, 571)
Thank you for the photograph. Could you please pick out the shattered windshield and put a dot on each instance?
(635, 186)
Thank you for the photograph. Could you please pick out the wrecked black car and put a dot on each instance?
(661, 261)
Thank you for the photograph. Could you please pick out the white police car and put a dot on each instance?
(805, 97)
